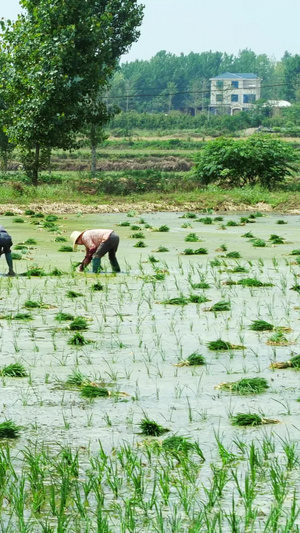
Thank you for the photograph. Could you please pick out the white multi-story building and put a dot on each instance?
(233, 92)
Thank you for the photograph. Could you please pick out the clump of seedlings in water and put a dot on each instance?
(197, 299)
(79, 324)
(138, 235)
(134, 227)
(64, 316)
(261, 325)
(15, 370)
(76, 379)
(79, 340)
(280, 221)
(15, 256)
(177, 444)
(73, 294)
(19, 220)
(276, 239)
(9, 214)
(18, 316)
(222, 248)
(31, 304)
(65, 248)
(161, 249)
(152, 259)
(205, 220)
(232, 223)
(245, 386)
(152, 428)
(35, 271)
(140, 244)
(278, 339)
(97, 287)
(60, 239)
(195, 359)
(124, 224)
(186, 225)
(253, 282)
(198, 251)
(162, 229)
(239, 270)
(192, 237)
(295, 287)
(251, 419)
(295, 252)
(258, 243)
(233, 255)
(189, 215)
(200, 285)
(294, 362)
(91, 390)
(220, 345)
(222, 305)
(178, 300)
(9, 430)
(248, 235)
(56, 272)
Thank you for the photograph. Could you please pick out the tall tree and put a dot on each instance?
(59, 56)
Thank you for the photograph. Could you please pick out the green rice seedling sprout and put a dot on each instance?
(38, 215)
(231, 223)
(179, 300)
(96, 287)
(64, 316)
(258, 243)
(73, 294)
(138, 235)
(152, 428)
(188, 251)
(124, 224)
(239, 270)
(200, 251)
(201, 285)
(30, 242)
(19, 316)
(140, 244)
(161, 249)
(294, 362)
(205, 220)
(35, 271)
(30, 304)
(76, 379)
(233, 255)
(280, 221)
(195, 359)
(19, 220)
(14, 370)
(295, 252)
(60, 239)
(222, 305)
(197, 299)
(15, 256)
(220, 345)
(21, 247)
(51, 218)
(90, 390)
(251, 419)
(177, 444)
(295, 287)
(65, 248)
(255, 385)
(9, 430)
(186, 225)
(244, 220)
(78, 340)
(78, 324)
(162, 229)
(29, 212)
(215, 263)
(276, 239)
(278, 339)
(261, 325)
(134, 227)
(152, 259)
(189, 215)
(9, 214)
(253, 282)
(248, 235)
(56, 272)
(191, 237)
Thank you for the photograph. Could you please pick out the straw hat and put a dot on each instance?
(74, 237)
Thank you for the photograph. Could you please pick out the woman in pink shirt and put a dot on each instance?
(97, 242)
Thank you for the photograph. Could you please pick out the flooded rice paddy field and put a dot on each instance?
(83, 462)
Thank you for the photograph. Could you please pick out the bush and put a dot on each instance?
(258, 159)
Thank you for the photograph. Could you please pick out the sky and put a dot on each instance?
(183, 26)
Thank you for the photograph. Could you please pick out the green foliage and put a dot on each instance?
(151, 428)
(64, 316)
(9, 430)
(261, 325)
(15, 370)
(236, 163)
(91, 391)
(78, 324)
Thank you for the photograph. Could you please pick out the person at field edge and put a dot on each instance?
(5, 245)
(97, 243)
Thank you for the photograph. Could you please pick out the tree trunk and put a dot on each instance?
(36, 164)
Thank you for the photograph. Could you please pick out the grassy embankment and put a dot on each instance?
(151, 173)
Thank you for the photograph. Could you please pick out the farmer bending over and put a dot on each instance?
(97, 243)
(5, 244)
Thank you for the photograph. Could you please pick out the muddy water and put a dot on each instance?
(137, 339)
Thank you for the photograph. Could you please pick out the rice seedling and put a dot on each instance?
(205, 220)
(215, 263)
(200, 285)
(161, 249)
(222, 305)
(258, 243)
(56, 272)
(51, 218)
(177, 444)
(191, 237)
(253, 282)
(9, 430)
(19, 220)
(197, 299)
(248, 235)
(78, 324)
(60, 239)
(232, 223)
(261, 325)
(280, 221)
(140, 244)
(278, 339)
(35, 271)
(233, 255)
(30, 304)
(179, 300)
(73, 294)
(276, 239)
(29, 212)
(251, 419)
(137, 235)
(15, 256)
(64, 316)
(294, 362)
(38, 215)
(163, 229)
(9, 214)
(96, 287)
(65, 248)
(21, 247)
(19, 316)
(152, 428)
(220, 345)
(78, 340)
(189, 215)
(244, 220)
(76, 379)
(255, 385)
(295, 287)
(295, 252)
(186, 225)
(14, 370)
(91, 390)
(239, 270)
(195, 359)
(30, 242)
(124, 224)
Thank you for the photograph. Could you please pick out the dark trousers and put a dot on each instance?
(110, 246)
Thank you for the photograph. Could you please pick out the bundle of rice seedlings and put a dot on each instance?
(124, 224)
(78, 340)
(76, 379)
(200, 251)
(218, 219)
(195, 359)
(97, 287)
(231, 223)
(244, 220)
(278, 339)
(135, 228)
(90, 390)
(15, 256)
(30, 304)
(9, 430)
(189, 215)
(151, 428)
(233, 255)
(22, 247)
(186, 225)
(258, 243)
(239, 269)
(29, 212)
(138, 235)
(222, 305)
(19, 220)
(30, 242)
(60, 239)
(188, 251)
(295, 287)
(248, 235)
(179, 300)
(15, 370)
(220, 345)
(177, 444)
(253, 282)
(19, 316)
(152, 259)
(9, 214)
(163, 228)
(245, 386)
(197, 299)
(65, 248)
(295, 252)
(73, 294)
(276, 239)
(56, 272)
(215, 263)
(64, 316)
(140, 244)
(280, 221)
(161, 249)
(51, 218)
(35, 271)
(191, 237)
(201, 285)
(261, 325)
(294, 362)
(205, 220)
(79, 324)
(251, 419)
